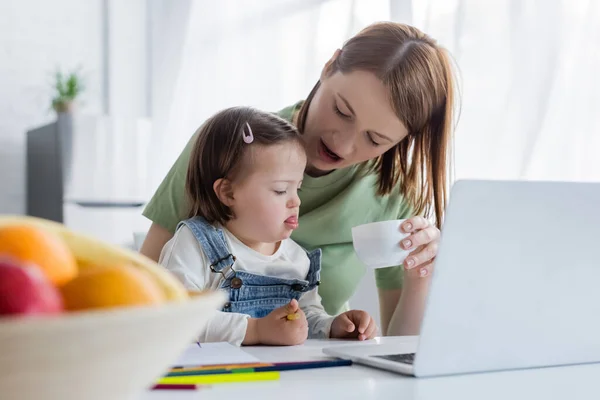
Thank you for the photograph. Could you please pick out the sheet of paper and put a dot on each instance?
(214, 353)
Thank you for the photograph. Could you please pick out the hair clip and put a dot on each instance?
(248, 136)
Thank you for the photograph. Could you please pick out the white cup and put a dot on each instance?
(377, 244)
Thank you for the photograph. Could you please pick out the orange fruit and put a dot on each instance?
(29, 244)
(111, 286)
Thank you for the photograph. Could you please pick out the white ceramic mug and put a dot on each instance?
(377, 244)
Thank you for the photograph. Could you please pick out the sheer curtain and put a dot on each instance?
(531, 96)
(210, 55)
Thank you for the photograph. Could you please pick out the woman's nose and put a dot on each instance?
(343, 143)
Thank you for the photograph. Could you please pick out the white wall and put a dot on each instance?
(169, 24)
(128, 58)
(37, 36)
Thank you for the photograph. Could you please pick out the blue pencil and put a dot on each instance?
(305, 365)
(275, 367)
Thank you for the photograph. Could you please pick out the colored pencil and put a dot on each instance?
(176, 387)
(219, 378)
(199, 371)
(218, 366)
(293, 317)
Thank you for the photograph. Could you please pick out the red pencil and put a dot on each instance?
(176, 387)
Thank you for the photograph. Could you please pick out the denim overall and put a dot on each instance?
(251, 294)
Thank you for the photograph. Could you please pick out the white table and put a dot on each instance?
(358, 382)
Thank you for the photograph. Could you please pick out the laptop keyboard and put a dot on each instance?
(407, 358)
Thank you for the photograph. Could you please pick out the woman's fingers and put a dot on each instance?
(421, 256)
(414, 224)
(422, 241)
(426, 269)
(420, 238)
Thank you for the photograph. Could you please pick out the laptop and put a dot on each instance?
(515, 286)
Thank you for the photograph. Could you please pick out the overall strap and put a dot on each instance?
(214, 245)
(314, 270)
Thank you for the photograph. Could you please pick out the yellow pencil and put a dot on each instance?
(220, 378)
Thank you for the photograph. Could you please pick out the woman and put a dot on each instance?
(377, 128)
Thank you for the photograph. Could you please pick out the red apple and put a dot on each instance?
(24, 290)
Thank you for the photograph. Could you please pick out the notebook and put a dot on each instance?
(199, 354)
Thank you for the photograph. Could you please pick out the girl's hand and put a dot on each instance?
(423, 240)
(278, 328)
(353, 324)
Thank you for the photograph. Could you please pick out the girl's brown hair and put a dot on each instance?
(219, 151)
(419, 78)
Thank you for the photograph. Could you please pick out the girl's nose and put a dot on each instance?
(294, 201)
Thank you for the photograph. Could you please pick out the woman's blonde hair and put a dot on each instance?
(418, 75)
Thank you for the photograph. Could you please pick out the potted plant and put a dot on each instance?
(66, 87)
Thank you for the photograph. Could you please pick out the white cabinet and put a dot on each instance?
(112, 224)
(91, 173)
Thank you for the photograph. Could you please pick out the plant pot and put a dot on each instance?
(64, 106)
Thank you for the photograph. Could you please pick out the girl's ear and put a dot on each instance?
(327, 68)
(224, 191)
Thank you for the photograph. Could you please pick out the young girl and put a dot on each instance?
(242, 184)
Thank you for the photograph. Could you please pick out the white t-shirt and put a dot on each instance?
(184, 257)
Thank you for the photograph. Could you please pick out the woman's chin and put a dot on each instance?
(318, 169)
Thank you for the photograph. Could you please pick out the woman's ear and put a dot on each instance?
(224, 191)
(327, 68)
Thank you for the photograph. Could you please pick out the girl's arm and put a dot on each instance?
(319, 322)
(183, 256)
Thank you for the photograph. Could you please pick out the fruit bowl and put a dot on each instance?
(99, 354)
(102, 353)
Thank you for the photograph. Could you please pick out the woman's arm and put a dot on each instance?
(166, 208)
(388, 302)
(403, 309)
(155, 240)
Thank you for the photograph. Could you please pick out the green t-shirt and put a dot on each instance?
(331, 206)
